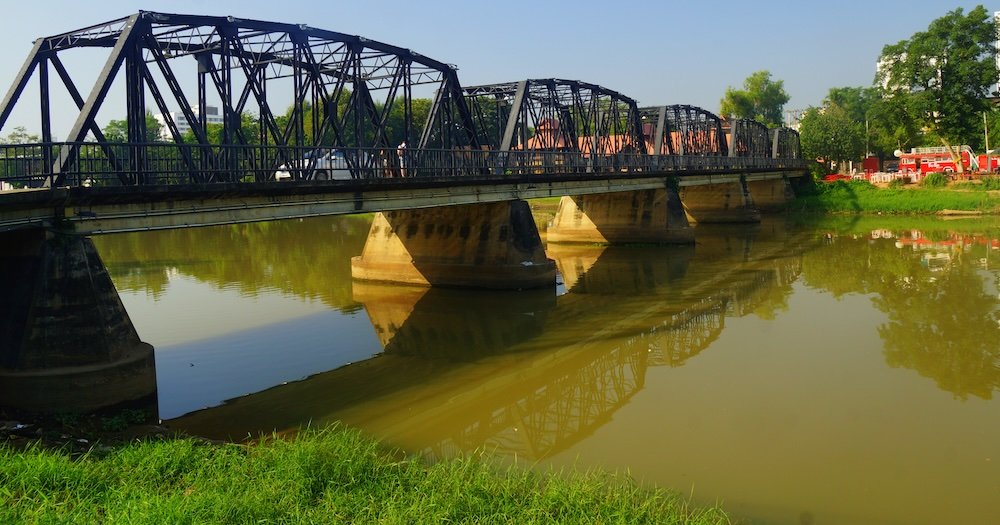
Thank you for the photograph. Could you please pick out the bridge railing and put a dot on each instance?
(119, 164)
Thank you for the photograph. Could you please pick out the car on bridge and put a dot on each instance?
(316, 165)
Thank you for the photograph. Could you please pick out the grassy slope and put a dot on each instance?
(331, 476)
(861, 197)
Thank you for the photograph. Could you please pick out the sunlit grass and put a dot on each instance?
(329, 476)
(862, 197)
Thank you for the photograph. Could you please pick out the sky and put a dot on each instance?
(657, 52)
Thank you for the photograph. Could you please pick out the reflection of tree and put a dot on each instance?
(945, 329)
(941, 324)
(308, 258)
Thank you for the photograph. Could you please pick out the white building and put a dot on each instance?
(183, 126)
(996, 20)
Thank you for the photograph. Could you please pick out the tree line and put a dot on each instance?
(935, 88)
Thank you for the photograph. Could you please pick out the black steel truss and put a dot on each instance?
(344, 89)
(555, 115)
(785, 144)
(683, 130)
(749, 138)
(346, 92)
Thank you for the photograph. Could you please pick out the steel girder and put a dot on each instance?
(683, 130)
(555, 115)
(749, 138)
(785, 143)
(335, 78)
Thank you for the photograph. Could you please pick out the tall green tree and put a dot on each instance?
(117, 130)
(761, 99)
(939, 79)
(832, 134)
(883, 130)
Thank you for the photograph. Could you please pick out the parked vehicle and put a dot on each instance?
(316, 165)
(936, 159)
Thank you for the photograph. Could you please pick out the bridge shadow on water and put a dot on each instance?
(525, 374)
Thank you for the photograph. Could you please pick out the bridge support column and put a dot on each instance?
(494, 245)
(645, 216)
(66, 342)
(724, 202)
(771, 195)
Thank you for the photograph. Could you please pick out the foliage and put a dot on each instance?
(991, 183)
(249, 129)
(328, 476)
(831, 134)
(248, 257)
(987, 183)
(935, 318)
(350, 135)
(117, 130)
(935, 180)
(939, 79)
(863, 197)
(761, 99)
(20, 135)
(890, 128)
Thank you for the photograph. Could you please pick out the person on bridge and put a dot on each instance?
(401, 152)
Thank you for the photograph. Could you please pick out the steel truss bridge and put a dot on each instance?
(345, 94)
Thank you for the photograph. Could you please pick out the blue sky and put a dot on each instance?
(658, 52)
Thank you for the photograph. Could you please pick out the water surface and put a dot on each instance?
(839, 372)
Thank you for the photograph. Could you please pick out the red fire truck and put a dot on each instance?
(937, 159)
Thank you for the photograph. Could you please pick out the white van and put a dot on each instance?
(329, 165)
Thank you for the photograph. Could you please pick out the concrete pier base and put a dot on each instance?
(66, 341)
(720, 203)
(770, 195)
(645, 216)
(494, 245)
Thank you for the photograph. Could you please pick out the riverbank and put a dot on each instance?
(319, 476)
(863, 197)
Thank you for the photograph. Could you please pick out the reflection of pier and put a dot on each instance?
(464, 371)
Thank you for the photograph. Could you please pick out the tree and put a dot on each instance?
(831, 133)
(117, 130)
(249, 127)
(20, 135)
(868, 124)
(761, 99)
(940, 78)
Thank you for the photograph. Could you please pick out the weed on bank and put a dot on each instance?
(863, 197)
(320, 476)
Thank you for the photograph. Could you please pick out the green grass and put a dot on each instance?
(329, 476)
(862, 197)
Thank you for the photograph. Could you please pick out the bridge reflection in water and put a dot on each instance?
(527, 374)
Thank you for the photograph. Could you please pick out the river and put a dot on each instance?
(840, 371)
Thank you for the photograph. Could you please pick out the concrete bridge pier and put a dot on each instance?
(67, 344)
(491, 245)
(771, 195)
(724, 202)
(644, 216)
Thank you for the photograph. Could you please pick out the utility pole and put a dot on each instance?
(986, 132)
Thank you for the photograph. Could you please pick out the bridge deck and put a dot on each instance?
(99, 201)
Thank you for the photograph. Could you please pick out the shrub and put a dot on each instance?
(991, 183)
(899, 183)
(935, 180)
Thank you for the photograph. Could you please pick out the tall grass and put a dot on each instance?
(329, 476)
(862, 197)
